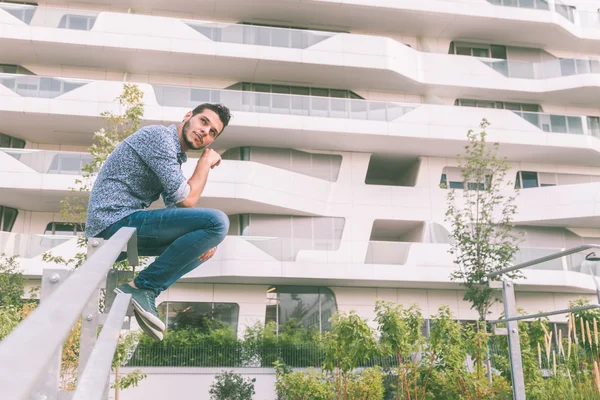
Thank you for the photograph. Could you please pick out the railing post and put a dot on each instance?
(514, 345)
(48, 386)
(89, 317)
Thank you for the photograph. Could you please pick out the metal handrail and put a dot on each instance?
(543, 259)
(26, 353)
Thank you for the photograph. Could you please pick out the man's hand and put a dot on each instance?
(211, 157)
(208, 254)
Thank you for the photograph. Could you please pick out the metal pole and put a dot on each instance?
(514, 346)
(95, 377)
(48, 386)
(89, 316)
(543, 259)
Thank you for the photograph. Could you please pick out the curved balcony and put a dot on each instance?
(147, 44)
(29, 245)
(545, 70)
(335, 123)
(265, 260)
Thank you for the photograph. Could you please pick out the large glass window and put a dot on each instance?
(478, 50)
(323, 166)
(8, 217)
(297, 90)
(524, 107)
(7, 141)
(64, 228)
(77, 22)
(203, 316)
(305, 306)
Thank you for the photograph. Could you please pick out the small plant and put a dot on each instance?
(231, 386)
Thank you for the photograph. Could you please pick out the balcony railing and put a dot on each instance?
(533, 4)
(39, 86)
(84, 20)
(545, 70)
(555, 123)
(259, 35)
(49, 161)
(29, 245)
(561, 8)
(76, 19)
(273, 103)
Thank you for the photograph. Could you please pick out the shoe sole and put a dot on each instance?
(147, 329)
(149, 318)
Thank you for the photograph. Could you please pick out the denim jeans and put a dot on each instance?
(177, 236)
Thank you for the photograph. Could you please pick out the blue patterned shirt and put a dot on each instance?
(145, 166)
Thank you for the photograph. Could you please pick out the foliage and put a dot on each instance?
(118, 128)
(484, 238)
(232, 386)
(12, 284)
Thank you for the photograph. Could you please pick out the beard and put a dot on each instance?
(184, 133)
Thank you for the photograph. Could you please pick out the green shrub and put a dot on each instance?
(231, 386)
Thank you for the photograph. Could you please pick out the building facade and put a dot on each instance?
(348, 117)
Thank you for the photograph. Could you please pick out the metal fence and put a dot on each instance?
(241, 356)
(30, 356)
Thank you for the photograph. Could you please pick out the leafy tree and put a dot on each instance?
(12, 283)
(481, 215)
(118, 126)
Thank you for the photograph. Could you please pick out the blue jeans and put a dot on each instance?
(177, 236)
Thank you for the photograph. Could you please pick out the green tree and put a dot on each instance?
(481, 216)
(12, 283)
(118, 126)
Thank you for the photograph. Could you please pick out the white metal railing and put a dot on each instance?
(28, 354)
(511, 316)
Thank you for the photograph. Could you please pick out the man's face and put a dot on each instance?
(202, 129)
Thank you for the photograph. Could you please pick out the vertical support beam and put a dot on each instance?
(48, 385)
(514, 345)
(89, 317)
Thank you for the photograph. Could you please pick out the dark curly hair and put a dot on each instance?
(219, 109)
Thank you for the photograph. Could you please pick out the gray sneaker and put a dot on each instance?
(147, 329)
(144, 303)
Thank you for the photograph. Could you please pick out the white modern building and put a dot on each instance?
(348, 115)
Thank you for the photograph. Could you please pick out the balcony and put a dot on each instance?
(286, 104)
(545, 70)
(259, 35)
(39, 86)
(555, 123)
(50, 162)
(29, 245)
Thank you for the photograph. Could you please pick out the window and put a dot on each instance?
(200, 316)
(64, 228)
(296, 90)
(77, 22)
(20, 10)
(521, 107)
(7, 141)
(478, 50)
(452, 179)
(69, 163)
(303, 306)
(7, 218)
(14, 69)
(593, 124)
(323, 166)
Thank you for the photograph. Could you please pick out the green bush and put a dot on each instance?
(303, 385)
(231, 386)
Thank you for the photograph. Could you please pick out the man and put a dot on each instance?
(143, 167)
